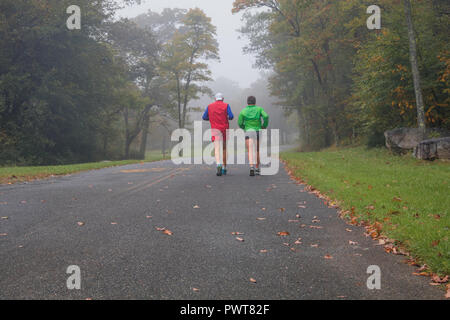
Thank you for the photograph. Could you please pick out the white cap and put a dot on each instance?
(219, 96)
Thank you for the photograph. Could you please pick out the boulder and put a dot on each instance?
(402, 140)
(433, 149)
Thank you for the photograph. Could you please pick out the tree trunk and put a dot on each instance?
(143, 148)
(415, 69)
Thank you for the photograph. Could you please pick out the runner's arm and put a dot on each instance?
(206, 115)
(230, 113)
(241, 120)
(265, 117)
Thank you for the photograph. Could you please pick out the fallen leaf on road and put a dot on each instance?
(23, 202)
(3, 203)
(348, 230)
(314, 245)
(293, 221)
(397, 199)
(261, 219)
(81, 224)
(168, 232)
(302, 206)
(5, 218)
(195, 289)
(316, 227)
(239, 239)
(263, 209)
(149, 217)
(160, 229)
(282, 209)
(437, 279)
(328, 257)
(298, 242)
(237, 233)
(352, 243)
(315, 221)
(3, 234)
(252, 280)
(114, 223)
(196, 207)
(263, 251)
(283, 233)
(298, 216)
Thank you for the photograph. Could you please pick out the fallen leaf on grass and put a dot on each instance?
(435, 243)
(283, 233)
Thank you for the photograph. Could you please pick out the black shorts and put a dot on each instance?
(252, 134)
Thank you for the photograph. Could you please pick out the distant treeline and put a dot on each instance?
(89, 94)
(349, 84)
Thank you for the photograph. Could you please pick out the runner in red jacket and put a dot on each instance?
(218, 114)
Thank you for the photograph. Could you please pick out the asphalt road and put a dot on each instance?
(122, 254)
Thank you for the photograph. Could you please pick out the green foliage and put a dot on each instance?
(345, 81)
(408, 197)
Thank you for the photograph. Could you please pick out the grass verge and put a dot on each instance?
(408, 198)
(10, 175)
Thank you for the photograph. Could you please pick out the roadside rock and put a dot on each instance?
(433, 149)
(402, 140)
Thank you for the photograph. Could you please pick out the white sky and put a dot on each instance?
(234, 65)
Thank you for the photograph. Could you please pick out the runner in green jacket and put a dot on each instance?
(250, 121)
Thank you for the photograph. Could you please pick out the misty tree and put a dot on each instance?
(184, 60)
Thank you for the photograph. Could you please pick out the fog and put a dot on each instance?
(234, 65)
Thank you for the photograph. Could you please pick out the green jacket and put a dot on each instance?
(250, 119)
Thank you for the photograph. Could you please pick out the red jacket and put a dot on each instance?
(218, 114)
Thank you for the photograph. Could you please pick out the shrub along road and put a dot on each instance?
(157, 231)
